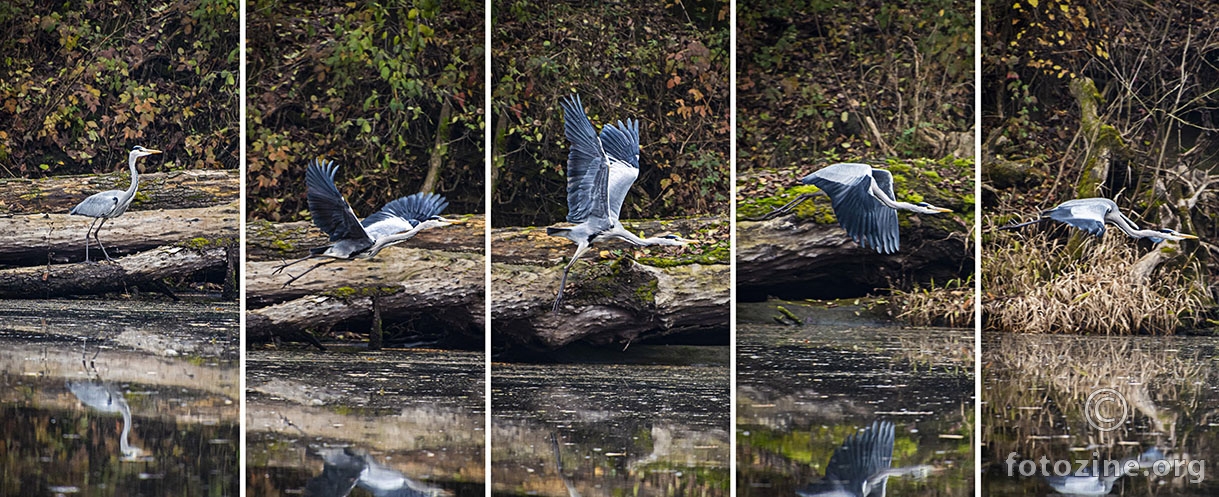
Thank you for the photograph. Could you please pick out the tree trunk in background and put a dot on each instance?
(440, 150)
(172, 190)
(275, 242)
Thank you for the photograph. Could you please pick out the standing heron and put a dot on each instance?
(110, 204)
(1091, 214)
(863, 201)
(600, 172)
(861, 466)
(395, 223)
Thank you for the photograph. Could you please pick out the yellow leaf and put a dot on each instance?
(1064, 8)
(1033, 3)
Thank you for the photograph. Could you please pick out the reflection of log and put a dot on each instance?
(267, 241)
(445, 285)
(38, 238)
(172, 190)
(606, 303)
(788, 258)
(145, 270)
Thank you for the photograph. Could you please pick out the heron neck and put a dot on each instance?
(124, 445)
(1128, 226)
(135, 179)
(386, 241)
(883, 197)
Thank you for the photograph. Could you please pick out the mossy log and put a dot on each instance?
(406, 281)
(531, 245)
(144, 270)
(267, 241)
(39, 239)
(791, 258)
(171, 190)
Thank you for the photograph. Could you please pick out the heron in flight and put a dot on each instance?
(1091, 214)
(346, 468)
(110, 204)
(600, 172)
(861, 467)
(395, 223)
(1098, 478)
(863, 201)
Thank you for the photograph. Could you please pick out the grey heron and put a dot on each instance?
(110, 204)
(600, 172)
(861, 467)
(863, 201)
(1098, 479)
(1091, 214)
(398, 221)
(107, 398)
(346, 468)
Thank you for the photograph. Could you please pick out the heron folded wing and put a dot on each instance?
(404, 213)
(1086, 216)
(585, 162)
(329, 210)
(98, 204)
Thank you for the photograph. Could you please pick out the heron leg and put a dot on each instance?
(786, 208)
(87, 234)
(580, 250)
(315, 266)
(97, 237)
(287, 264)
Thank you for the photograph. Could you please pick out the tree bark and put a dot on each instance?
(439, 150)
(172, 190)
(39, 239)
(791, 259)
(145, 269)
(275, 242)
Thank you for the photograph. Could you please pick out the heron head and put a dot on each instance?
(439, 221)
(1174, 235)
(927, 208)
(139, 151)
(672, 239)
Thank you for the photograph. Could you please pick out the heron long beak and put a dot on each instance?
(941, 209)
(151, 151)
(1187, 237)
(453, 221)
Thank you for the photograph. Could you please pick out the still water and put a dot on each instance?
(1150, 403)
(650, 421)
(394, 422)
(118, 398)
(807, 394)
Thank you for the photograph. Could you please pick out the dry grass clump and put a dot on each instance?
(951, 305)
(1033, 284)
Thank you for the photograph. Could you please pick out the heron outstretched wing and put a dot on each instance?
(587, 171)
(404, 213)
(621, 144)
(329, 210)
(1087, 214)
(861, 459)
(868, 221)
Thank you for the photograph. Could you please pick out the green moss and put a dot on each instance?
(647, 293)
(718, 254)
(197, 243)
(347, 292)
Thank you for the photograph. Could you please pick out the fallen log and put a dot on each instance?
(266, 241)
(531, 245)
(170, 190)
(40, 239)
(404, 281)
(795, 259)
(145, 270)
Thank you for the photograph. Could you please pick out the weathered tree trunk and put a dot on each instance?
(172, 190)
(39, 239)
(274, 242)
(145, 269)
(787, 258)
(440, 148)
(406, 281)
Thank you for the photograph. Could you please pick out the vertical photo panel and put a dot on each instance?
(365, 270)
(610, 248)
(119, 219)
(855, 248)
(1098, 294)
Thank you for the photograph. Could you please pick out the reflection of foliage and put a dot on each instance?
(381, 88)
(667, 67)
(828, 79)
(81, 83)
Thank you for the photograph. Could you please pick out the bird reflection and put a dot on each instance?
(558, 462)
(346, 468)
(107, 398)
(862, 466)
(1098, 479)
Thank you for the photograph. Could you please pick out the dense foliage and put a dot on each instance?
(665, 64)
(389, 90)
(847, 81)
(81, 82)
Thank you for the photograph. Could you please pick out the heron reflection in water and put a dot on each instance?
(346, 468)
(1098, 479)
(108, 399)
(862, 466)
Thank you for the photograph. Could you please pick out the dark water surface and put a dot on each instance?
(1162, 397)
(389, 419)
(803, 389)
(118, 398)
(653, 423)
